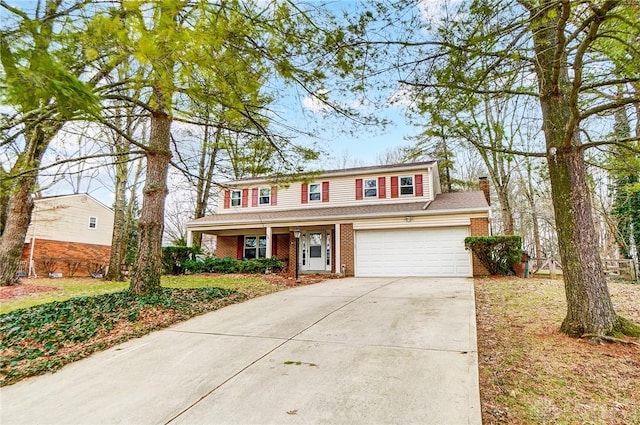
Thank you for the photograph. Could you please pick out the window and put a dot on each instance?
(236, 198)
(371, 188)
(406, 185)
(255, 247)
(265, 196)
(93, 222)
(315, 192)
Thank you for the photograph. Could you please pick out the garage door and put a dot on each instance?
(413, 252)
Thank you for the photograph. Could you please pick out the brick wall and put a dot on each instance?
(65, 252)
(347, 249)
(282, 246)
(227, 246)
(292, 253)
(479, 227)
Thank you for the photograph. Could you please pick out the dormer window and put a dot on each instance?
(406, 185)
(315, 192)
(236, 198)
(371, 188)
(265, 196)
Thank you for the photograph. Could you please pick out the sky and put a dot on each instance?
(342, 143)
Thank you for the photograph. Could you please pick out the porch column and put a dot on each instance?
(337, 264)
(269, 251)
(189, 238)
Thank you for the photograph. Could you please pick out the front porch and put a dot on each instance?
(315, 252)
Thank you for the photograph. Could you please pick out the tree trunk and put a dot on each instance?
(118, 245)
(148, 265)
(20, 202)
(15, 231)
(502, 191)
(589, 307)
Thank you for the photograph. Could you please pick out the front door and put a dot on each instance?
(316, 251)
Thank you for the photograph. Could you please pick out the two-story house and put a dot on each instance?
(370, 221)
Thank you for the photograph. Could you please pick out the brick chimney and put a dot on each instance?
(483, 185)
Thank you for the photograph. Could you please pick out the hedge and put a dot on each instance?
(229, 265)
(497, 253)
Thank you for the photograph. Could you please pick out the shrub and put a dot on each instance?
(497, 253)
(228, 265)
(174, 258)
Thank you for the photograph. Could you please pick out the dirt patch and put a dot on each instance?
(530, 373)
(22, 290)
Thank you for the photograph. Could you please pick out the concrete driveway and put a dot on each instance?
(346, 351)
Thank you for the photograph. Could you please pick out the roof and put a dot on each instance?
(458, 200)
(71, 195)
(444, 203)
(339, 172)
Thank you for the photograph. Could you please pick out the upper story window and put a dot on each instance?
(315, 192)
(236, 198)
(93, 222)
(406, 185)
(265, 196)
(371, 188)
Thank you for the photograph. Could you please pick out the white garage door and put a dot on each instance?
(413, 252)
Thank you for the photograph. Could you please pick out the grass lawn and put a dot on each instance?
(45, 290)
(47, 323)
(532, 374)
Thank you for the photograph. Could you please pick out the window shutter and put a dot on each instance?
(245, 198)
(304, 193)
(394, 186)
(358, 188)
(274, 245)
(240, 252)
(227, 198)
(274, 195)
(382, 187)
(419, 186)
(254, 197)
(325, 191)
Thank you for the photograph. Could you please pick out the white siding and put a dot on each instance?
(342, 192)
(66, 218)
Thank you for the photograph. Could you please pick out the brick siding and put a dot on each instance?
(64, 253)
(347, 249)
(479, 227)
(227, 246)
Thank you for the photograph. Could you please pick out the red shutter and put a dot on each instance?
(245, 198)
(274, 195)
(254, 197)
(304, 196)
(419, 189)
(274, 246)
(240, 251)
(227, 198)
(325, 191)
(358, 188)
(382, 187)
(394, 186)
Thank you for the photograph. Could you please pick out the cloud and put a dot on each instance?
(438, 12)
(314, 104)
(402, 96)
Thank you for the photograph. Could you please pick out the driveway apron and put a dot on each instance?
(344, 351)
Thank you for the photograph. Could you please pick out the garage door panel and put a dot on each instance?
(412, 252)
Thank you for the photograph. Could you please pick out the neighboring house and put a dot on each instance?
(68, 234)
(371, 221)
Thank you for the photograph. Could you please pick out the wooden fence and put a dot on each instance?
(622, 268)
